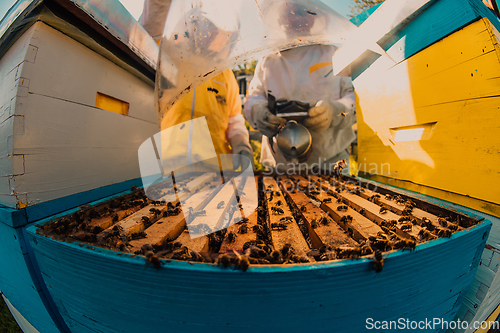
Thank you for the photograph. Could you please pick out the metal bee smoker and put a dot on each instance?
(293, 139)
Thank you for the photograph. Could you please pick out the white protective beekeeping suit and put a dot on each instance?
(305, 74)
(153, 17)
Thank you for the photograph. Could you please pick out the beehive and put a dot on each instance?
(299, 219)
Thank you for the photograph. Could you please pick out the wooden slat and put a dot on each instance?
(189, 188)
(241, 239)
(198, 244)
(106, 221)
(372, 211)
(393, 206)
(292, 235)
(216, 217)
(330, 234)
(170, 227)
(247, 191)
(166, 228)
(361, 226)
(134, 223)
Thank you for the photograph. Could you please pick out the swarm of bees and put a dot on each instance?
(402, 234)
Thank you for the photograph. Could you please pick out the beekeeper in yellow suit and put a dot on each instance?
(217, 99)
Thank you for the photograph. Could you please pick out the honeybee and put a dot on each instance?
(314, 224)
(278, 193)
(405, 244)
(383, 210)
(407, 211)
(406, 226)
(224, 260)
(258, 229)
(278, 226)
(231, 237)
(287, 250)
(220, 205)
(424, 234)
(346, 219)
(152, 259)
(443, 222)
(342, 208)
(286, 219)
(277, 210)
(375, 198)
(243, 228)
(444, 232)
(366, 249)
(452, 226)
(303, 208)
(388, 197)
(323, 220)
(327, 200)
(243, 263)
(378, 261)
(278, 203)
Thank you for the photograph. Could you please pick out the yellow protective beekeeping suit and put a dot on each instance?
(216, 99)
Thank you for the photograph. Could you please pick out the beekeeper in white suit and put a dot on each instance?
(303, 74)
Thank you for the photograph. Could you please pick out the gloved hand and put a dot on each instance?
(242, 152)
(267, 123)
(321, 116)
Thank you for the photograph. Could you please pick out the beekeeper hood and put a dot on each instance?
(302, 19)
(204, 38)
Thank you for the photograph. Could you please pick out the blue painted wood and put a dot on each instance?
(485, 273)
(106, 291)
(20, 217)
(361, 17)
(16, 280)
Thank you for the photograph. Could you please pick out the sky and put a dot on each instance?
(135, 6)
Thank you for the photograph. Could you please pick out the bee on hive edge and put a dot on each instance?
(378, 261)
(152, 259)
(220, 205)
(405, 244)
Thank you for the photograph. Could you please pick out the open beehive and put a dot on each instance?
(300, 219)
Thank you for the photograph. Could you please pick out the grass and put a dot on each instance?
(7, 322)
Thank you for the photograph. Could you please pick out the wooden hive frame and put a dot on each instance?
(299, 219)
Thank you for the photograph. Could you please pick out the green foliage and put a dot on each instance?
(7, 322)
(362, 5)
(245, 68)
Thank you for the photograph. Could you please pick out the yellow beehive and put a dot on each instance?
(430, 123)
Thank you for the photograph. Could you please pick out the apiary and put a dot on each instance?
(300, 219)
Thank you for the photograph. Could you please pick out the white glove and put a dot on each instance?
(242, 152)
(321, 116)
(267, 123)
